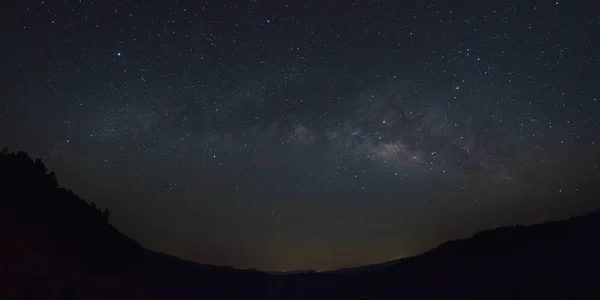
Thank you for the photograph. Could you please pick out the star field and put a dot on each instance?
(283, 135)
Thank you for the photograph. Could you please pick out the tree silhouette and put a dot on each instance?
(26, 183)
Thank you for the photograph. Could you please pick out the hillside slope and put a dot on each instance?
(54, 245)
(554, 260)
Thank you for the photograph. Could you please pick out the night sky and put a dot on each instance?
(281, 135)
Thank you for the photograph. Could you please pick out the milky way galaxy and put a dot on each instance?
(283, 135)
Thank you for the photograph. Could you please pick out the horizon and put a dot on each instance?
(285, 272)
(277, 135)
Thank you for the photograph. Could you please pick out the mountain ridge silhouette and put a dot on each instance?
(55, 245)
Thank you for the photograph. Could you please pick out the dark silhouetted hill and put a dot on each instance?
(55, 245)
(554, 260)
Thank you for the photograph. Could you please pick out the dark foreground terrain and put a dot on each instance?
(54, 245)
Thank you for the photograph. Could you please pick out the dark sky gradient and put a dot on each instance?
(282, 135)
